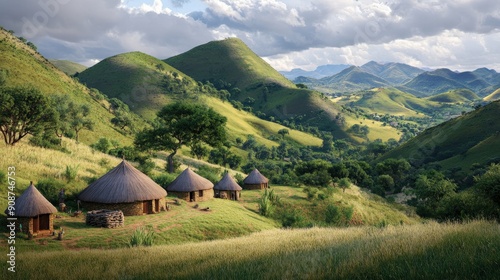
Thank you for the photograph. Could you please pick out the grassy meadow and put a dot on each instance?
(421, 251)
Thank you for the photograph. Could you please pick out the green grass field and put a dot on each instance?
(422, 251)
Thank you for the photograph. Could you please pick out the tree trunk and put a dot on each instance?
(170, 162)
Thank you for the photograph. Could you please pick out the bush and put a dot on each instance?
(142, 237)
(50, 188)
(146, 166)
(337, 215)
(71, 172)
(102, 145)
(211, 173)
(165, 179)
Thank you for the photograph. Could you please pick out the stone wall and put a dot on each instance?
(27, 226)
(105, 218)
(128, 209)
(227, 194)
(255, 186)
(207, 195)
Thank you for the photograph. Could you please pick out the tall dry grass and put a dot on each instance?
(423, 251)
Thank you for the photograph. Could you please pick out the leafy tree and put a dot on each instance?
(23, 111)
(327, 144)
(116, 104)
(314, 173)
(198, 150)
(122, 120)
(180, 124)
(396, 168)
(282, 150)
(489, 183)
(385, 182)
(344, 183)
(283, 132)
(79, 118)
(430, 189)
(102, 145)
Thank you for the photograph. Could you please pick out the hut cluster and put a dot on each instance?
(126, 191)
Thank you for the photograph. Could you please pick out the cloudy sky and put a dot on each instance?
(458, 34)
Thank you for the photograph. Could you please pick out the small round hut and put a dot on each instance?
(127, 189)
(255, 181)
(190, 186)
(34, 213)
(227, 188)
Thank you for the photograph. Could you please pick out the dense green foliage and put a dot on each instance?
(183, 124)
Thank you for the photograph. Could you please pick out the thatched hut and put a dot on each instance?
(190, 186)
(255, 181)
(34, 213)
(227, 188)
(127, 189)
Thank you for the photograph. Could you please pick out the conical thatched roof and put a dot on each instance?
(227, 184)
(255, 178)
(32, 203)
(189, 181)
(122, 184)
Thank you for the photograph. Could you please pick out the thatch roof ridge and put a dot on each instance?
(255, 177)
(189, 181)
(227, 183)
(32, 203)
(122, 184)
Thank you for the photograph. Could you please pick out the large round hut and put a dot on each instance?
(190, 186)
(227, 188)
(255, 181)
(124, 188)
(34, 213)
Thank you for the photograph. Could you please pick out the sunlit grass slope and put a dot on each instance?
(241, 124)
(68, 67)
(424, 251)
(25, 67)
(140, 80)
(394, 102)
(454, 138)
(455, 96)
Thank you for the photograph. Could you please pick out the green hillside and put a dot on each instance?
(493, 96)
(455, 96)
(458, 138)
(143, 82)
(26, 67)
(395, 102)
(230, 64)
(230, 61)
(68, 67)
(147, 84)
(352, 79)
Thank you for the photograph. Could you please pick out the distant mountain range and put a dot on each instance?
(416, 81)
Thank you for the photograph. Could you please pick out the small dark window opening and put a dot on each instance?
(200, 193)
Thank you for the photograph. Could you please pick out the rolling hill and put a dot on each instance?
(147, 84)
(318, 73)
(456, 140)
(352, 79)
(455, 96)
(26, 67)
(230, 64)
(143, 82)
(493, 96)
(395, 102)
(68, 67)
(394, 73)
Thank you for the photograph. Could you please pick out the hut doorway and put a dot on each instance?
(233, 196)
(44, 222)
(36, 224)
(157, 205)
(192, 196)
(147, 207)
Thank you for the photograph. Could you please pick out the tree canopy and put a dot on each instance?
(23, 111)
(183, 124)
